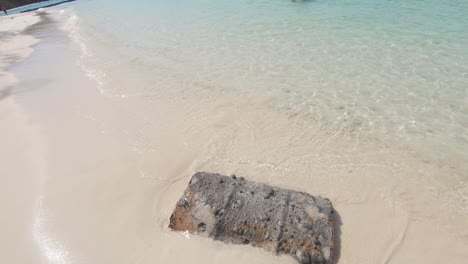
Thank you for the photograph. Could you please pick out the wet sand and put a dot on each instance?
(94, 178)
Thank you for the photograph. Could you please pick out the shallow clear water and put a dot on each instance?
(393, 71)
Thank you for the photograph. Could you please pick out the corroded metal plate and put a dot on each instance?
(237, 211)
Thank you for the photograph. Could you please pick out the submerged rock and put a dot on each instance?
(237, 211)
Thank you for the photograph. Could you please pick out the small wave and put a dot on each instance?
(72, 27)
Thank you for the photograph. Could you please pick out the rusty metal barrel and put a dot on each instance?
(237, 211)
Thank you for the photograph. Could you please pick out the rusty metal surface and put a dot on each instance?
(237, 211)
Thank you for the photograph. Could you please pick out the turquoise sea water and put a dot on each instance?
(393, 71)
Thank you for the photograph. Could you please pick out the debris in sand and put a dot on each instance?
(237, 211)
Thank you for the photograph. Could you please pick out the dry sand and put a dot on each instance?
(20, 145)
(88, 178)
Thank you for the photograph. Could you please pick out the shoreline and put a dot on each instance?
(139, 153)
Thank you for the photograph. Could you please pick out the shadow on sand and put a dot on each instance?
(11, 90)
(338, 224)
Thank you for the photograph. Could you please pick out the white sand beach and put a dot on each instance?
(92, 177)
(20, 144)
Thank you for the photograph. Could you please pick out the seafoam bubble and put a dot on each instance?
(41, 11)
(186, 234)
